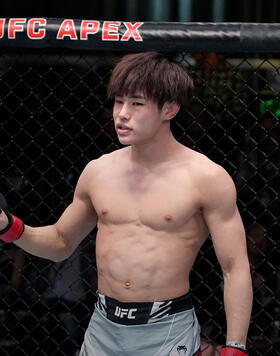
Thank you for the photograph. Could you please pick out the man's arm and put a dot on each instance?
(58, 241)
(228, 235)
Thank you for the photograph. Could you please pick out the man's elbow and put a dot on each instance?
(237, 268)
(63, 250)
(59, 257)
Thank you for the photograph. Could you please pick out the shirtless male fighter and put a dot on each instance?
(154, 202)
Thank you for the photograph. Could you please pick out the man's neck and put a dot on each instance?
(154, 152)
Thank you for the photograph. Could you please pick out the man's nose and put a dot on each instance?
(124, 112)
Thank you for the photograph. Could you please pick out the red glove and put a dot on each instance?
(232, 351)
(15, 226)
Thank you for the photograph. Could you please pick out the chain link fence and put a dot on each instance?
(55, 117)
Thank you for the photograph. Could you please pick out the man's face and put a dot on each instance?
(137, 119)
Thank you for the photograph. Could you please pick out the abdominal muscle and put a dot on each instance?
(139, 264)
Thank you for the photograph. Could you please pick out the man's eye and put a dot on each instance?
(138, 104)
(118, 101)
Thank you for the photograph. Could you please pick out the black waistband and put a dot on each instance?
(142, 313)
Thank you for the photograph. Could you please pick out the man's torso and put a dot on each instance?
(150, 226)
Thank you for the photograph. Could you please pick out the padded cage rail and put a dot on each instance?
(139, 36)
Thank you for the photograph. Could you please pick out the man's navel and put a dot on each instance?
(127, 284)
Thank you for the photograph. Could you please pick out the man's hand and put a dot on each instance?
(11, 227)
(233, 351)
(3, 217)
(3, 220)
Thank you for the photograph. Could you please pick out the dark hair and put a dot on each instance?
(153, 74)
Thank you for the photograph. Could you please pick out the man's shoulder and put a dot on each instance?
(201, 163)
(213, 182)
(106, 160)
(111, 157)
(206, 172)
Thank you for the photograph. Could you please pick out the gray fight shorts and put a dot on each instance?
(168, 328)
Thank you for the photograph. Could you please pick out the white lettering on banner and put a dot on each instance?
(36, 28)
(121, 312)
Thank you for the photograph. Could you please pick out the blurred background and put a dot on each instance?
(54, 118)
(148, 10)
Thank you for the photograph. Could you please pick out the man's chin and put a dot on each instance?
(124, 141)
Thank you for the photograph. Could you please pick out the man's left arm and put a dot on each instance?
(226, 228)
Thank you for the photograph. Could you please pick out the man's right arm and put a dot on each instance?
(58, 241)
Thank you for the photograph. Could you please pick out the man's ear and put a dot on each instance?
(170, 109)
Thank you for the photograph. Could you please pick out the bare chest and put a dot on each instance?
(159, 202)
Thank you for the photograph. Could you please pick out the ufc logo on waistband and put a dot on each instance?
(121, 313)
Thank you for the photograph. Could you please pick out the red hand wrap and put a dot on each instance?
(232, 351)
(14, 231)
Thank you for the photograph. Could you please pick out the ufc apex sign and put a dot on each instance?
(36, 29)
